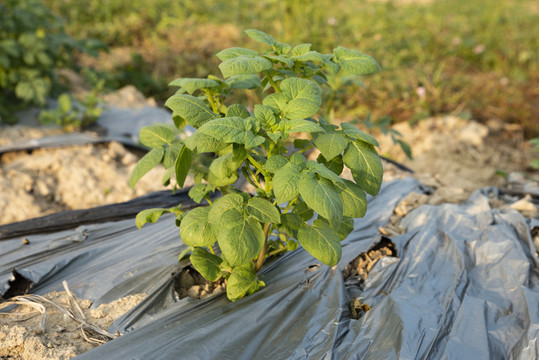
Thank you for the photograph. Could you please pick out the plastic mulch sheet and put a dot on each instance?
(465, 285)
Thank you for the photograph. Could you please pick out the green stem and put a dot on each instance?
(256, 164)
(253, 177)
(278, 251)
(330, 104)
(210, 98)
(272, 82)
(247, 175)
(262, 255)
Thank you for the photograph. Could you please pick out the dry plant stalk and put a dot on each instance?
(74, 312)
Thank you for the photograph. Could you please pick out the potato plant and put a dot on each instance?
(296, 200)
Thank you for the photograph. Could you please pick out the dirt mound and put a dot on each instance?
(456, 157)
(46, 181)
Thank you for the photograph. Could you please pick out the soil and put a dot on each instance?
(191, 284)
(22, 335)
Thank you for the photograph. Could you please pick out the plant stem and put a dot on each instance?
(272, 82)
(256, 164)
(209, 96)
(253, 177)
(278, 251)
(262, 255)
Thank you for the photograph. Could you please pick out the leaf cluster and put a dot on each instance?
(72, 115)
(32, 44)
(297, 200)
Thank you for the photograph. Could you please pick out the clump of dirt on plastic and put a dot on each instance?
(22, 337)
(189, 283)
(360, 267)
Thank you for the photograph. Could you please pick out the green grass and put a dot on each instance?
(466, 57)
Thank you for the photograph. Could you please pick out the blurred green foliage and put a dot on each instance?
(471, 57)
(32, 44)
(73, 115)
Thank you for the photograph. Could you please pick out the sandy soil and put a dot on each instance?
(22, 335)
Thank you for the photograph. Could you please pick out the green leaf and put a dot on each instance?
(263, 211)
(321, 196)
(302, 210)
(276, 136)
(64, 103)
(291, 222)
(406, 148)
(324, 172)
(234, 52)
(331, 144)
(240, 241)
(148, 162)
(336, 164)
(299, 159)
(277, 101)
(286, 182)
(304, 98)
(262, 37)
(204, 143)
(366, 166)
(195, 229)
(332, 67)
(156, 135)
(300, 49)
(302, 143)
(353, 198)
(310, 56)
(242, 282)
(275, 162)
(179, 122)
(356, 134)
(206, 264)
(227, 211)
(165, 180)
(232, 130)
(321, 242)
(282, 48)
(198, 192)
(192, 84)
(247, 81)
(346, 228)
(306, 126)
(191, 109)
(237, 110)
(265, 115)
(281, 59)
(355, 62)
(223, 170)
(182, 165)
(149, 216)
(244, 65)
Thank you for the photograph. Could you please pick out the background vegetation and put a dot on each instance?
(473, 58)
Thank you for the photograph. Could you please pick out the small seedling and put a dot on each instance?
(296, 201)
(71, 115)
